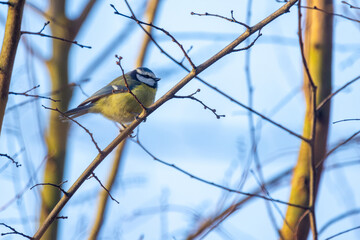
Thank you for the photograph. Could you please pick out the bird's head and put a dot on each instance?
(146, 76)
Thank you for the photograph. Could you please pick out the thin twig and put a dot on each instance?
(250, 45)
(140, 23)
(351, 6)
(54, 185)
(331, 13)
(97, 179)
(53, 37)
(214, 221)
(86, 130)
(338, 218)
(337, 147)
(31, 95)
(254, 29)
(187, 51)
(327, 99)
(11, 159)
(118, 62)
(347, 120)
(232, 19)
(25, 188)
(7, 3)
(57, 38)
(191, 96)
(341, 233)
(215, 184)
(14, 231)
(43, 28)
(302, 51)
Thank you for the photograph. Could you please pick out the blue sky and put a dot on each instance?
(181, 131)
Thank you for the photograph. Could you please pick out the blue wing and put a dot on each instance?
(111, 88)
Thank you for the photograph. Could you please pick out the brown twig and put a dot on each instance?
(232, 19)
(191, 96)
(187, 51)
(301, 44)
(118, 62)
(351, 6)
(86, 130)
(108, 192)
(31, 95)
(140, 23)
(53, 37)
(73, 84)
(331, 13)
(52, 184)
(250, 45)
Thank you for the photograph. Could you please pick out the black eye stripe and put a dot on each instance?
(145, 75)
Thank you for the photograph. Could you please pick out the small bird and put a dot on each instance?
(115, 102)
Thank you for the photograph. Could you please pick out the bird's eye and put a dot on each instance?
(145, 73)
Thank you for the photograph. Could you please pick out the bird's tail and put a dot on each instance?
(76, 112)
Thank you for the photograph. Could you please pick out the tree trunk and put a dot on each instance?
(318, 54)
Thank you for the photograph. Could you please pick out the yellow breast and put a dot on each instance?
(123, 107)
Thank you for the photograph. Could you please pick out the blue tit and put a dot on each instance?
(114, 100)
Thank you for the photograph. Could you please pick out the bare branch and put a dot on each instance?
(347, 120)
(215, 184)
(97, 179)
(53, 37)
(337, 147)
(31, 95)
(14, 231)
(328, 98)
(338, 218)
(86, 130)
(126, 83)
(232, 19)
(6, 3)
(191, 96)
(250, 45)
(53, 185)
(11, 159)
(140, 23)
(331, 13)
(351, 6)
(343, 232)
(301, 44)
(214, 221)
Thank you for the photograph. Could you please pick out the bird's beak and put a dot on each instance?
(157, 79)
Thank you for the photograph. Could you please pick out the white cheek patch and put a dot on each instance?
(115, 87)
(148, 81)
